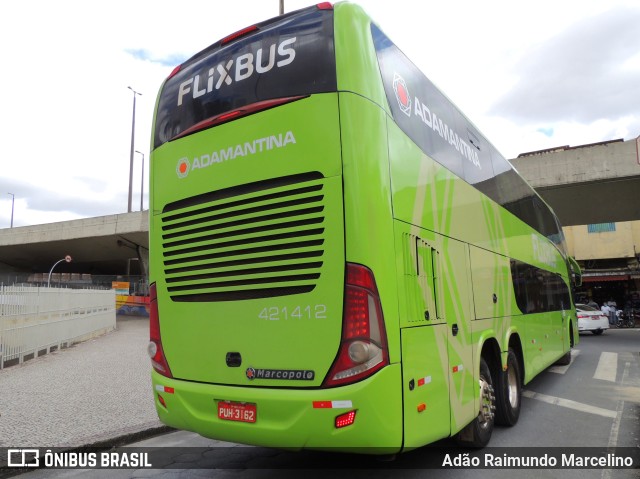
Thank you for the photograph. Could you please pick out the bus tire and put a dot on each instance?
(564, 360)
(478, 432)
(509, 392)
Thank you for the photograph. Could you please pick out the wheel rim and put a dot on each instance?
(512, 387)
(487, 405)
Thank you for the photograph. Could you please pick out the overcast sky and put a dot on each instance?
(530, 75)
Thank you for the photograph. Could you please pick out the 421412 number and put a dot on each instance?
(277, 313)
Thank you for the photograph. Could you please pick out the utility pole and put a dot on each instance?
(133, 134)
(13, 200)
(281, 7)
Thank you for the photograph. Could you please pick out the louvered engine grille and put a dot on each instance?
(253, 241)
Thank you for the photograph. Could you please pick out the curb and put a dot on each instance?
(124, 439)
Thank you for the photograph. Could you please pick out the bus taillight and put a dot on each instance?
(238, 34)
(174, 72)
(158, 360)
(363, 347)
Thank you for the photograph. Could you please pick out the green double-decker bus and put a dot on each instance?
(339, 259)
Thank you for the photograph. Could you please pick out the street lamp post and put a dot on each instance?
(141, 180)
(133, 134)
(67, 258)
(13, 200)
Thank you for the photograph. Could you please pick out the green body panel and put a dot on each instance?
(291, 332)
(367, 203)
(357, 68)
(316, 148)
(438, 247)
(286, 417)
(427, 195)
(434, 300)
(426, 383)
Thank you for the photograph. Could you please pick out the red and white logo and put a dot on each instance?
(183, 167)
(402, 94)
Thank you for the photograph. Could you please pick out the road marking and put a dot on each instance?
(607, 367)
(563, 369)
(568, 403)
(615, 427)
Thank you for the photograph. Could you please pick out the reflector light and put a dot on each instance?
(158, 360)
(325, 6)
(238, 34)
(165, 389)
(161, 399)
(345, 419)
(346, 404)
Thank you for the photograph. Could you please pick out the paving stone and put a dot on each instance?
(91, 391)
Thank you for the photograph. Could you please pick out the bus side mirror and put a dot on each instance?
(576, 272)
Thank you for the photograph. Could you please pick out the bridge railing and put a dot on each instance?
(38, 320)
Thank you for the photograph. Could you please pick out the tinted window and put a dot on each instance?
(447, 136)
(584, 307)
(538, 290)
(287, 56)
(427, 116)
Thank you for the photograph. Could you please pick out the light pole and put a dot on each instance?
(281, 7)
(141, 180)
(67, 258)
(133, 134)
(13, 200)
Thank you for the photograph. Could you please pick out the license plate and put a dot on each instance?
(237, 411)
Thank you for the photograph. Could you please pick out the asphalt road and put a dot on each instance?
(594, 402)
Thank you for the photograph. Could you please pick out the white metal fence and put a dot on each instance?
(38, 320)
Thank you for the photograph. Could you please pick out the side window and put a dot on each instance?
(538, 290)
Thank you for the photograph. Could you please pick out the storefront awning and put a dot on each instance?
(600, 278)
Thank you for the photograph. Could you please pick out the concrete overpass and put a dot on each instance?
(105, 245)
(588, 184)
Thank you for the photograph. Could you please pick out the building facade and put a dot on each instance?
(609, 254)
(595, 190)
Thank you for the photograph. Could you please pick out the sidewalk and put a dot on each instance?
(91, 393)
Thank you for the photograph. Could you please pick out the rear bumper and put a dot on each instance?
(592, 325)
(287, 418)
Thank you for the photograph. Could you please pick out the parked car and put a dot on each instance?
(591, 319)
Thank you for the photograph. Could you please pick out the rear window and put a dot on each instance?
(291, 55)
(584, 307)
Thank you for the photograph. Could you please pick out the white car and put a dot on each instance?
(591, 319)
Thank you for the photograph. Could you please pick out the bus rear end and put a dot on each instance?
(262, 332)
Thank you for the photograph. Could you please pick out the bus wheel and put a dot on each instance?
(566, 359)
(478, 432)
(509, 392)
